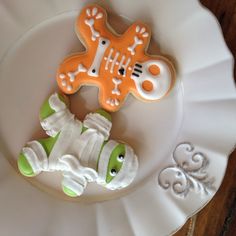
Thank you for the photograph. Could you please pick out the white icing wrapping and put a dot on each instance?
(89, 145)
(73, 184)
(55, 122)
(73, 166)
(99, 123)
(137, 42)
(127, 172)
(161, 83)
(65, 144)
(77, 176)
(55, 103)
(31, 157)
(104, 161)
(36, 156)
(116, 88)
(95, 67)
(40, 153)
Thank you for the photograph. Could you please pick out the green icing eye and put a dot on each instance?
(115, 162)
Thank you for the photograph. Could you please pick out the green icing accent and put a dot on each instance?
(46, 110)
(48, 143)
(83, 129)
(24, 166)
(113, 162)
(69, 192)
(104, 114)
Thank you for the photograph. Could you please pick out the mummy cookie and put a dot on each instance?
(117, 64)
(81, 151)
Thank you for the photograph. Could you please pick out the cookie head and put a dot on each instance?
(117, 165)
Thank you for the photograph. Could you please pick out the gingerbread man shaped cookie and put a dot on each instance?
(117, 64)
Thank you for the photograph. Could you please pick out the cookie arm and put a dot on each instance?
(138, 35)
(54, 114)
(92, 24)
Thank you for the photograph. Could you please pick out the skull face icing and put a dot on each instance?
(81, 151)
(117, 64)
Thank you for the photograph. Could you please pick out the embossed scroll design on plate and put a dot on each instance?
(188, 173)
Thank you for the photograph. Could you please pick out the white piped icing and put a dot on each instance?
(90, 21)
(137, 42)
(116, 82)
(99, 123)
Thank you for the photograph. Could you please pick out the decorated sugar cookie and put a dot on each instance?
(117, 64)
(81, 151)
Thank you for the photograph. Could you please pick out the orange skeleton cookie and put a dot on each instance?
(117, 64)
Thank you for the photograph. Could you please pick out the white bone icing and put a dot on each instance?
(116, 83)
(95, 67)
(90, 23)
(137, 42)
(141, 31)
(161, 82)
(113, 102)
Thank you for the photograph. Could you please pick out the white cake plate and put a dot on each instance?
(183, 141)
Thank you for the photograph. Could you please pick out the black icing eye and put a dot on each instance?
(103, 42)
(120, 158)
(113, 172)
(93, 70)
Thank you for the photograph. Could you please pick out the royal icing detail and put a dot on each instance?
(110, 56)
(82, 155)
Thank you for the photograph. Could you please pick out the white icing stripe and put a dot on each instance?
(104, 161)
(121, 61)
(114, 62)
(99, 123)
(55, 103)
(40, 153)
(127, 172)
(32, 158)
(109, 58)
